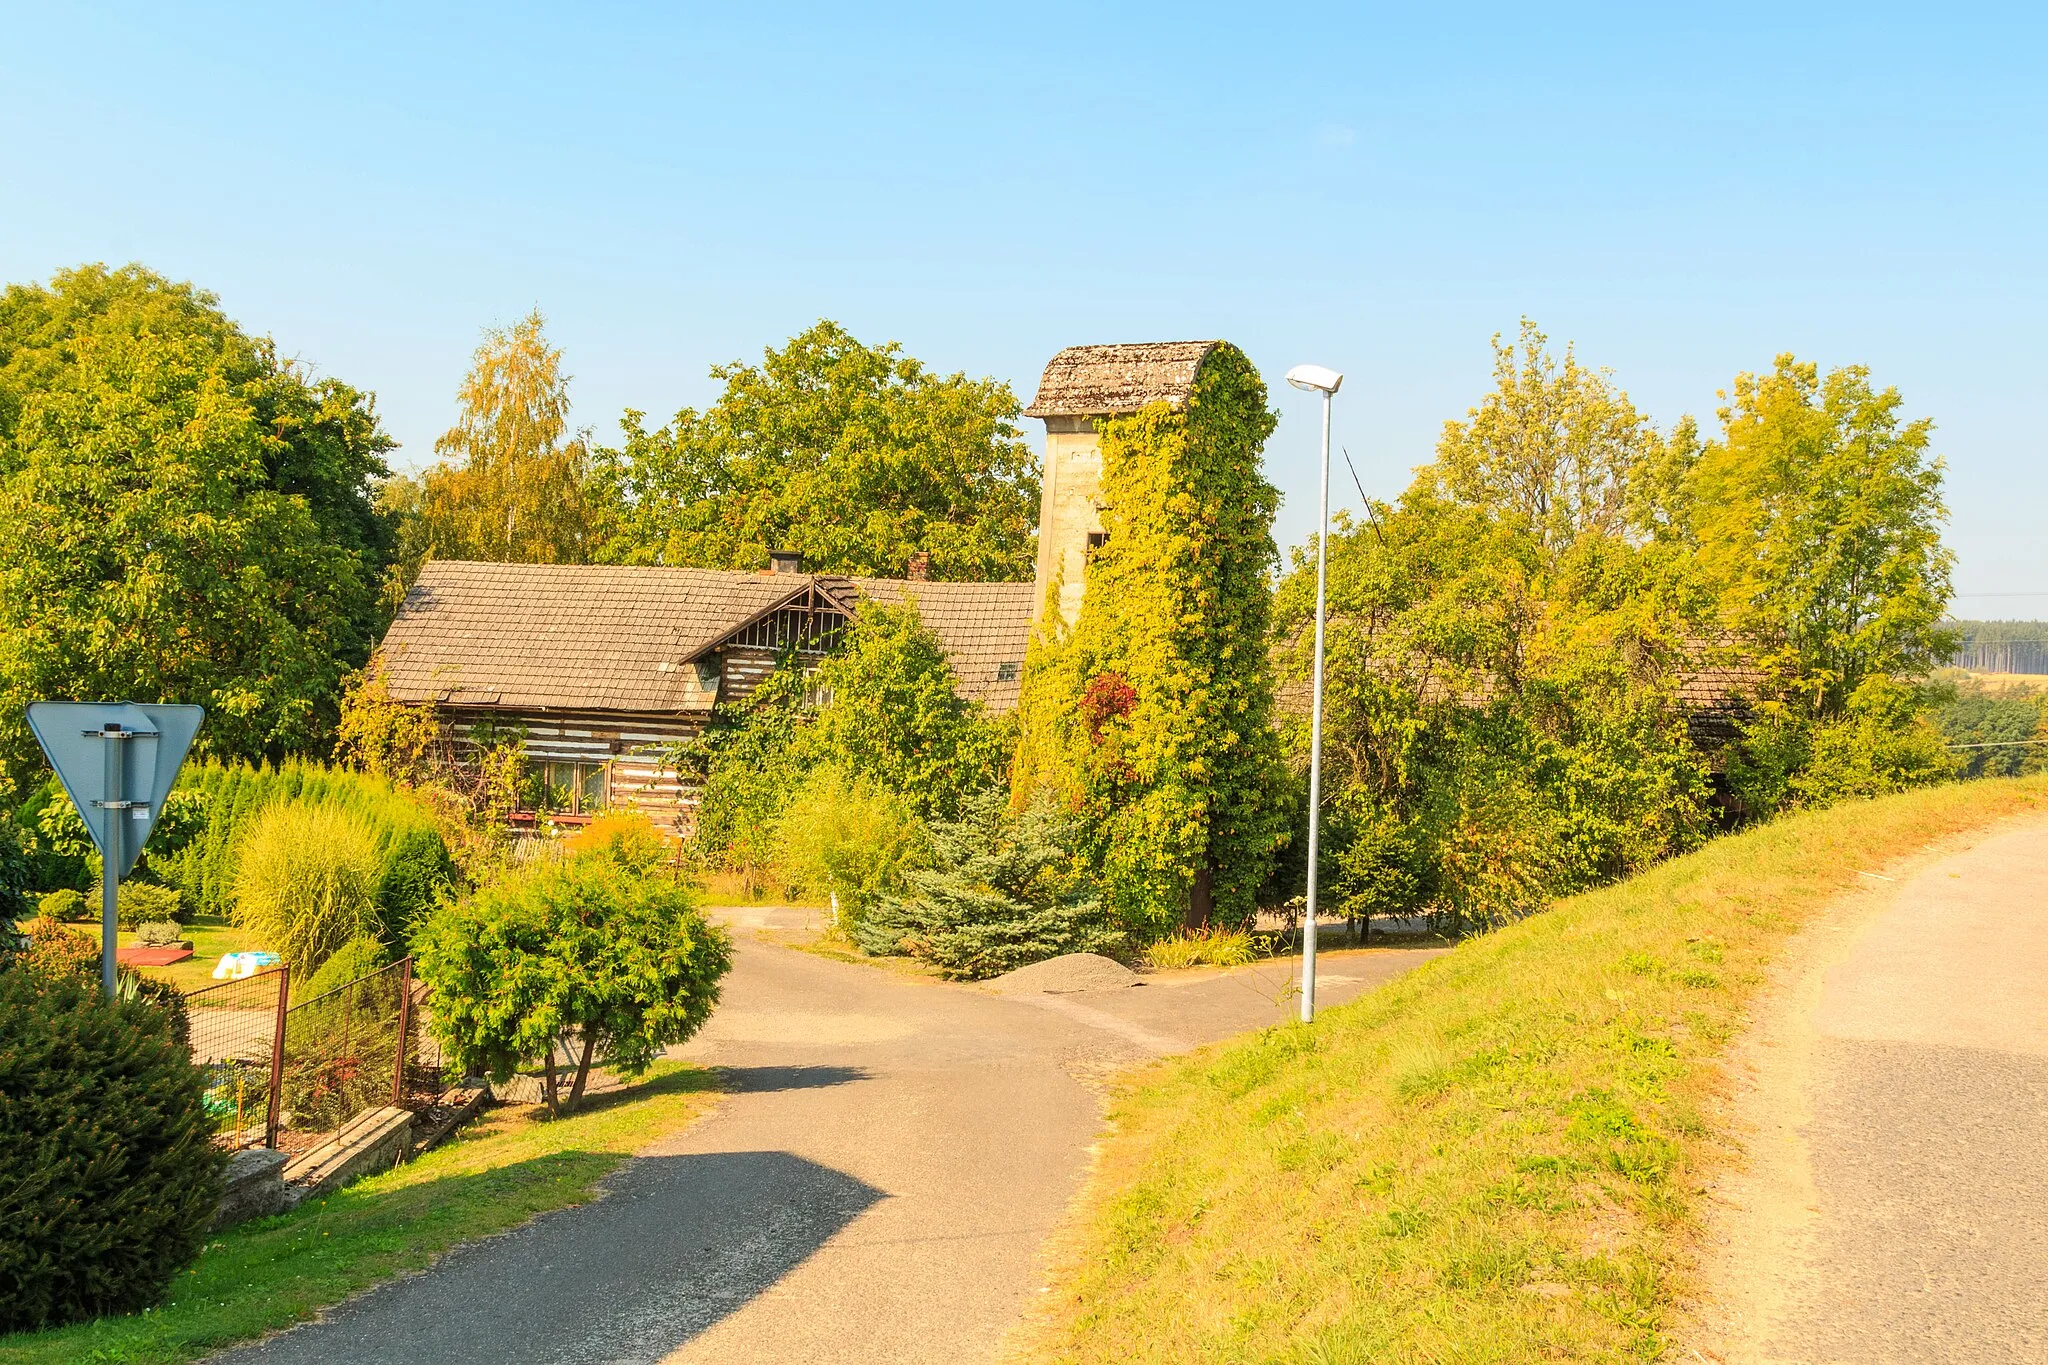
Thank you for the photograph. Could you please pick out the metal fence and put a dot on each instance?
(237, 1029)
(288, 1074)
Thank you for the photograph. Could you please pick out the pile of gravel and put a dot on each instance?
(1061, 975)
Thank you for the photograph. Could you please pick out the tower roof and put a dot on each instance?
(1102, 381)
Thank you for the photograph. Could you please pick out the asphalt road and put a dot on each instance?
(1898, 1209)
(877, 1189)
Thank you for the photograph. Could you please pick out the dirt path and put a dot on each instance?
(877, 1190)
(1895, 1203)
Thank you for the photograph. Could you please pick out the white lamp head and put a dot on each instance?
(1314, 379)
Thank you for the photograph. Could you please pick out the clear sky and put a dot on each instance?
(1375, 189)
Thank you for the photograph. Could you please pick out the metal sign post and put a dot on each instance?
(117, 761)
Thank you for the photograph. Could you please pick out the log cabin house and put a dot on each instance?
(606, 668)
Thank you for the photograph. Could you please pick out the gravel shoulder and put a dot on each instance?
(1893, 1100)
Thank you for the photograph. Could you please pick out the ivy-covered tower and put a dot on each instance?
(1147, 702)
(1082, 388)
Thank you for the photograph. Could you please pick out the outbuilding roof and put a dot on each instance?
(622, 638)
(1100, 381)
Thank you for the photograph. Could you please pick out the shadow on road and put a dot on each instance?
(768, 1078)
(678, 1243)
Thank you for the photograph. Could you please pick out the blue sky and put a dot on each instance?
(1379, 190)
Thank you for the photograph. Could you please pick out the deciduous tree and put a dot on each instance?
(512, 484)
(854, 455)
(188, 516)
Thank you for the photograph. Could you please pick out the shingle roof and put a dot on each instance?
(982, 626)
(1086, 381)
(588, 637)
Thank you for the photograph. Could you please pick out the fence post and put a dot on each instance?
(284, 998)
(404, 1027)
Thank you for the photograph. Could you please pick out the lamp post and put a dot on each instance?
(1316, 379)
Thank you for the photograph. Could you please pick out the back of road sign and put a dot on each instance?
(150, 744)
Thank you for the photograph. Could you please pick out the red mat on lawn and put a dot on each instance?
(151, 957)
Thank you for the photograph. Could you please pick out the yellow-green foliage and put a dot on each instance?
(1497, 1157)
(846, 836)
(306, 880)
(1153, 717)
(1214, 946)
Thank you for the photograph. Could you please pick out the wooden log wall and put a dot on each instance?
(632, 745)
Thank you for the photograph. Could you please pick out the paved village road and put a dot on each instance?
(1896, 1209)
(877, 1189)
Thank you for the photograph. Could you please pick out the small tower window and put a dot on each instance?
(1096, 540)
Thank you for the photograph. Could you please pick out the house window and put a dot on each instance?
(1009, 672)
(569, 788)
(1096, 540)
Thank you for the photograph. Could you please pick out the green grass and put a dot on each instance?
(213, 937)
(1498, 1157)
(509, 1166)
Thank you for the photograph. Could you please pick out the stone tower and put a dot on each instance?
(1081, 386)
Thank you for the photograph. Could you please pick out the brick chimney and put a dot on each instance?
(785, 561)
(920, 567)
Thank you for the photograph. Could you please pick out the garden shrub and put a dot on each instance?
(108, 1172)
(306, 881)
(355, 959)
(55, 949)
(141, 902)
(1002, 891)
(160, 933)
(17, 870)
(847, 836)
(65, 904)
(414, 867)
(584, 947)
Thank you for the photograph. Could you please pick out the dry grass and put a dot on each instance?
(1498, 1157)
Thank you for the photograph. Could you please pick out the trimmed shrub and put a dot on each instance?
(306, 881)
(586, 948)
(67, 905)
(143, 902)
(1003, 891)
(108, 1172)
(161, 933)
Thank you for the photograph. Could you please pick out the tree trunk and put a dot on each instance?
(583, 1067)
(548, 1090)
(1201, 900)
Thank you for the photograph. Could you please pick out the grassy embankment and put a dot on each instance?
(510, 1165)
(1499, 1157)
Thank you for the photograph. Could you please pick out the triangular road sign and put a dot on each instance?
(117, 760)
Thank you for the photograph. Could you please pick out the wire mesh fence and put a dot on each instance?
(235, 1031)
(289, 1074)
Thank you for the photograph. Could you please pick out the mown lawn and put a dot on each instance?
(507, 1167)
(1498, 1157)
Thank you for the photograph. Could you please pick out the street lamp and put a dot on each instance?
(1316, 379)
